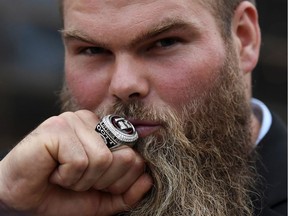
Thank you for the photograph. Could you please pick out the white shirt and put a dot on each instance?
(263, 115)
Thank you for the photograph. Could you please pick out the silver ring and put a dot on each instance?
(117, 131)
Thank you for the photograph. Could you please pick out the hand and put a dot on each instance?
(64, 168)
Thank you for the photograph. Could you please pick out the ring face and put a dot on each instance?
(116, 131)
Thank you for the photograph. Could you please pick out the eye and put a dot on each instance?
(167, 42)
(90, 51)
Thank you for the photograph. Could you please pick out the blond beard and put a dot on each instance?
(201, 159)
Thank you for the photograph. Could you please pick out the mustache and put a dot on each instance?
(137, 110)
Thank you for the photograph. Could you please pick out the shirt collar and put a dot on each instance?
(263, 115)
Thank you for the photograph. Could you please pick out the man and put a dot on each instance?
(180, 72)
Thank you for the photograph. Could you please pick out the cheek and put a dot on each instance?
(188, 79)
(88, 90)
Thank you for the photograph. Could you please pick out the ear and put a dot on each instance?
(247, 35)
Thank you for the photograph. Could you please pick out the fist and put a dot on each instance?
(64, 168)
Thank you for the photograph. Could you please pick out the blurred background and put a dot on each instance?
(31, 64)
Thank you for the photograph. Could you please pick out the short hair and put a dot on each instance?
(223, 11)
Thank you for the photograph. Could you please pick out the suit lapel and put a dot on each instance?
(272, 166)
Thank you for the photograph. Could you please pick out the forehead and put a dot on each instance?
(102, 4)
(105, 18)
(129, 9)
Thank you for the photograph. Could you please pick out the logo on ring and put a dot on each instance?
(116, 131)
(122, 124)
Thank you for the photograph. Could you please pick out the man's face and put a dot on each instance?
(162, 52)
(164, 65)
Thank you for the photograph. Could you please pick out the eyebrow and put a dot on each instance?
(166, 25)
(70, 35)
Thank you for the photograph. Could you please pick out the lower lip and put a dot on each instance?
(144, 131)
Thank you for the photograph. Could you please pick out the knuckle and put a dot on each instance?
(80, 163)
(84, 113)
(55, 121)
(50, 128)
(71, 176)
(58, 123)
(116, 189)
(99, 186)
(103, 159)
(66, 182)
(66, 116)
(79, 188)
(140, 164)
(127, 157)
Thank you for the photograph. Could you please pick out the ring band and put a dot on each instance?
(116, 131)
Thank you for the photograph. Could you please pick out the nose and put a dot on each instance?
(129, 80)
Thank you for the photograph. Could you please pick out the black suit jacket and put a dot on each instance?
(272, 166)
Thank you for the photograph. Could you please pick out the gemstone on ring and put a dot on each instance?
(117, 131)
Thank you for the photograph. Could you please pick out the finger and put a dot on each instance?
(98, 155)
(122, 162)
(52, 151)
(121, 203)
(67, 150)
(122, 184)
(89, 118)
(143, 184)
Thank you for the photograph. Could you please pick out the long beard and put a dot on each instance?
(201, 159)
